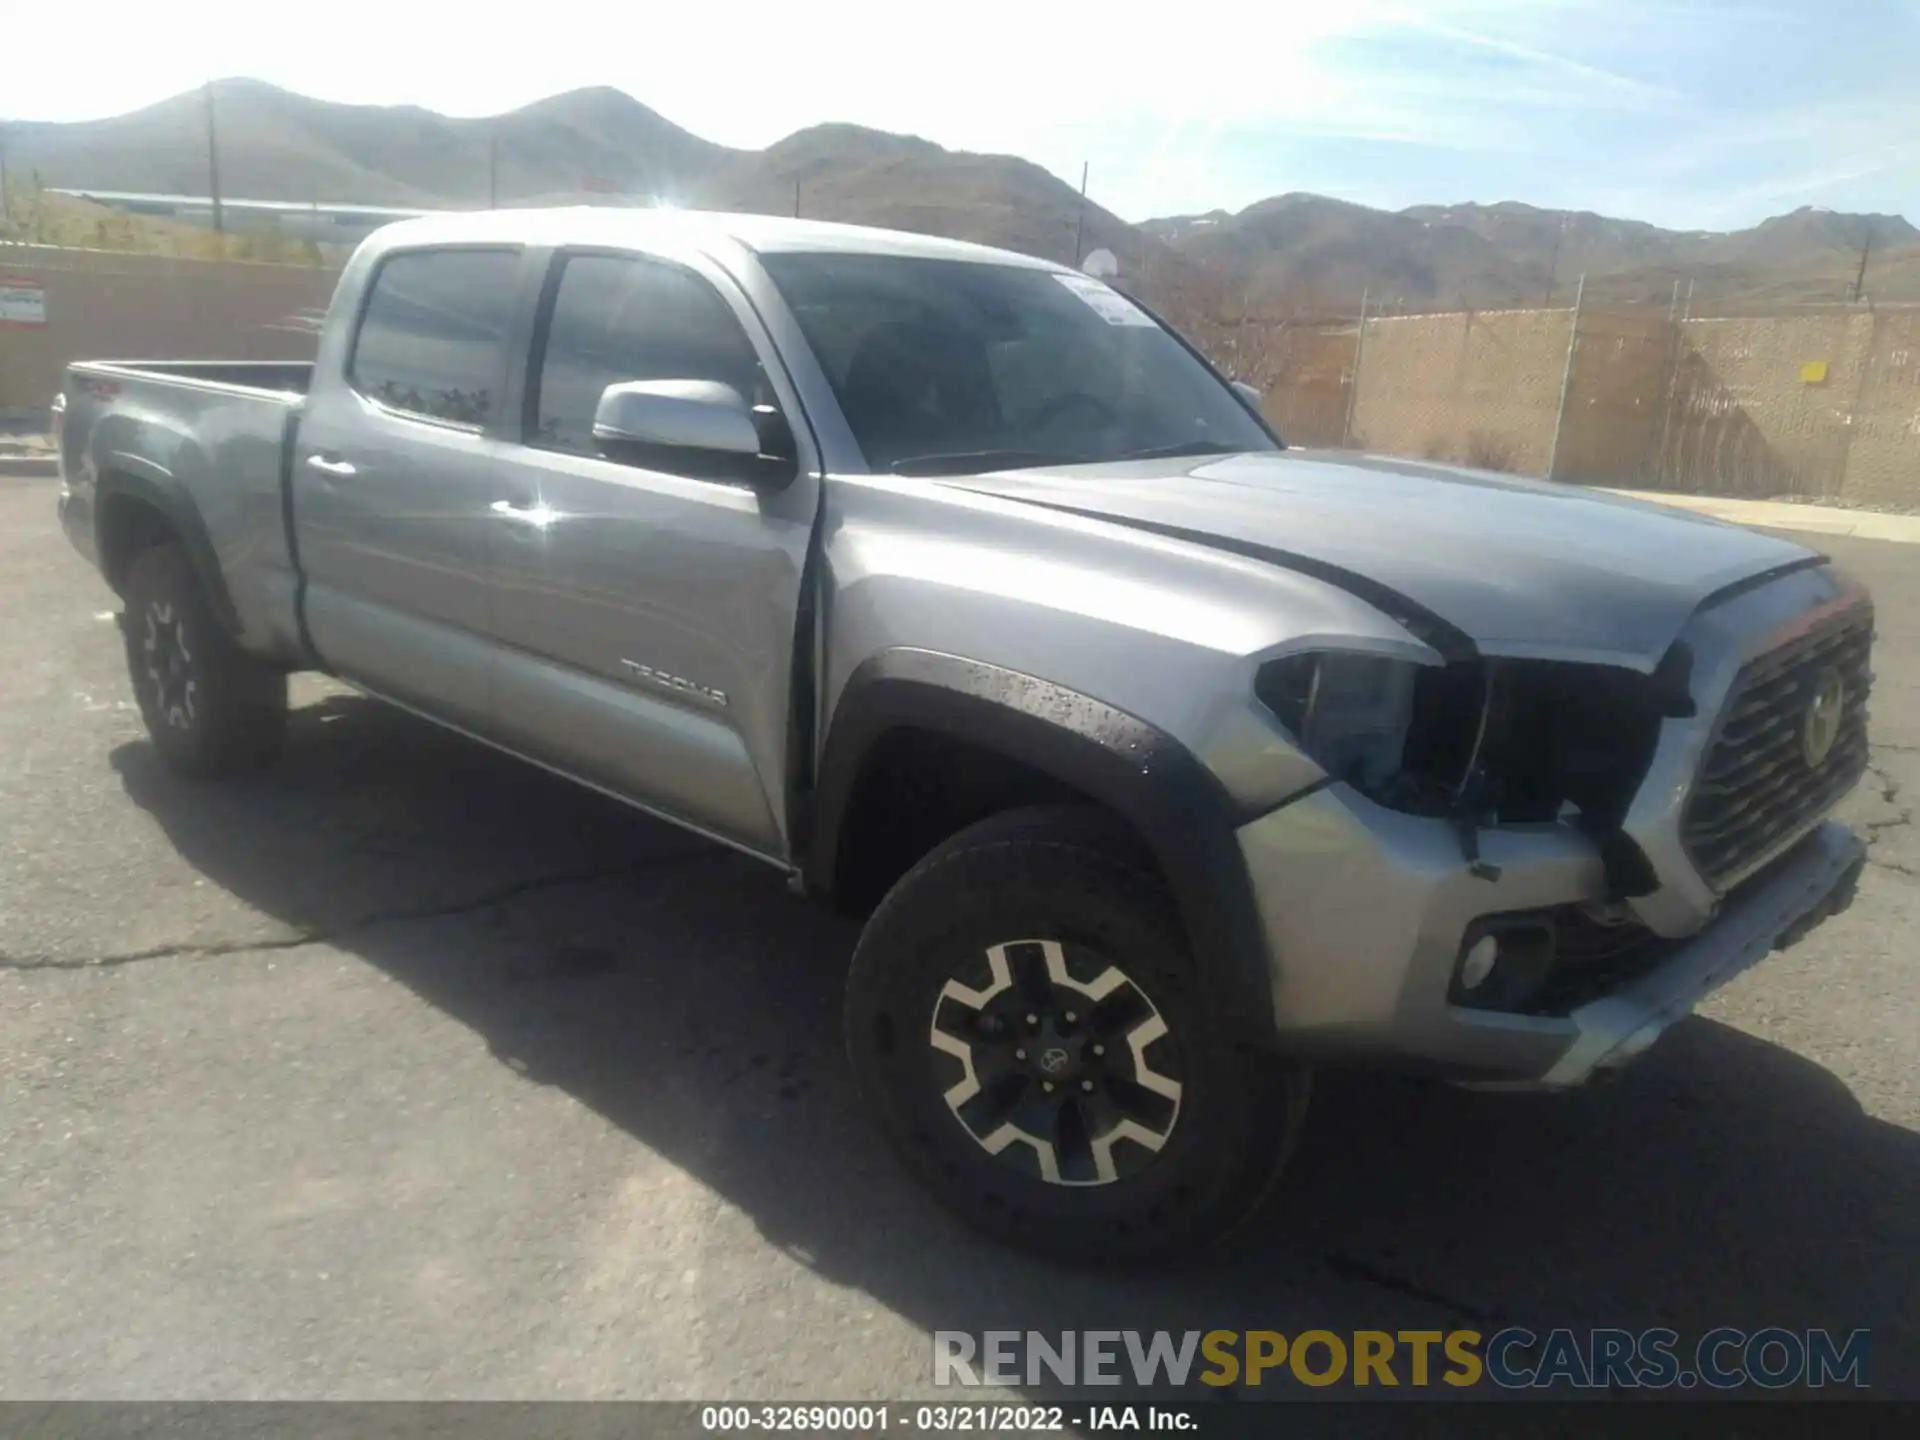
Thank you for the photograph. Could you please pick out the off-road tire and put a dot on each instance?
(210, 708)
(1066, 874)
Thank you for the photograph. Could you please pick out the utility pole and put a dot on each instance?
(1553, 265)
(1860, 276)
(493, 168)
(1080, 225)
(6, 206)
(796, 197)
(213, 165)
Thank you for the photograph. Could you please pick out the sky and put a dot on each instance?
(1707, 114)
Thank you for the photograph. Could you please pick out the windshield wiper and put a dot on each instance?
(976, 462)
(1185, 447)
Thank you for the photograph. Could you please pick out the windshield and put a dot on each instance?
(953, 366)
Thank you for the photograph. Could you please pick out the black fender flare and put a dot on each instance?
(1152, 781)
(129, 477)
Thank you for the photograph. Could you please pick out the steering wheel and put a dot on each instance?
(1061, 404)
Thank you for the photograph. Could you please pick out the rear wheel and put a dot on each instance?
(1025, 1019)
(210, 708)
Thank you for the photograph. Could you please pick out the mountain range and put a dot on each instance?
(1291, 252)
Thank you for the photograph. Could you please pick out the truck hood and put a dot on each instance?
(1517, 568)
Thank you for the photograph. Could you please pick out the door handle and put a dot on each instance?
(340, 469)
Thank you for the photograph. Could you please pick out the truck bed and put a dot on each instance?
(204, 444)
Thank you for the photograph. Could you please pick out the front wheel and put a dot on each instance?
(209, 707)
(1025, 1019)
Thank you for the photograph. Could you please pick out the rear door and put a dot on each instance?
(647, 618)
(393, 476)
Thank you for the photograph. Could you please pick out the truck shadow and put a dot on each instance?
(679, 990)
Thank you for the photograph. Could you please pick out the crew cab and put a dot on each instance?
(1166, 762)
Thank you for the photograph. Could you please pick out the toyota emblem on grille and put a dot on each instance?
(1825, 711)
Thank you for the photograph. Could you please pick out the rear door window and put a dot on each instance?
(433, 338)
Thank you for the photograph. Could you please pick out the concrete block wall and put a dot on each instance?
(106, 305)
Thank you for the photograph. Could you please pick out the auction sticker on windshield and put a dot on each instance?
(1109, 304)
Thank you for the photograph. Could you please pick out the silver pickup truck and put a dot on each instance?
(1165, 761)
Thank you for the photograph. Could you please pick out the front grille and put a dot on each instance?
(1755, 788)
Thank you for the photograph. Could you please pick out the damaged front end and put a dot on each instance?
(1486, 742)
(1560, 848)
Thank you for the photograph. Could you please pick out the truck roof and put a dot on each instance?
(650, 227)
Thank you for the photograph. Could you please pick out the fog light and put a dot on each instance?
(1505, 966)
(1479, 962)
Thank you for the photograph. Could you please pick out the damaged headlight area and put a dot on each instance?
(1485, 741)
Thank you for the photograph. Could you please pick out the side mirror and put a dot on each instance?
(693, 427)
(1249, 393)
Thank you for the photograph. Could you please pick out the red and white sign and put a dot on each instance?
(22, 301)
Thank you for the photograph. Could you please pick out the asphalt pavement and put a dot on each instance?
(402, 1070)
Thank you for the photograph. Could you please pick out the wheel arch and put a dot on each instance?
(1074, 747)
(136, 505)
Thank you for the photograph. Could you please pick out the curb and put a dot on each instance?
(29, 467)
(1784, 515)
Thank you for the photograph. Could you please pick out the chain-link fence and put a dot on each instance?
(1881, 465)
(1817, 403)
(1761, 406)
(1472, 388)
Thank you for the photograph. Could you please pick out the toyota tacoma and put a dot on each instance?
(1165, 762)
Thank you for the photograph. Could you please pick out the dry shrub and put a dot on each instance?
(1488, 451)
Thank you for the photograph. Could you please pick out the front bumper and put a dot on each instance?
(1812, 883)
(1365, 911)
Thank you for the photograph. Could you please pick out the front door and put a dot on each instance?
(646, 619)
(393, 477)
